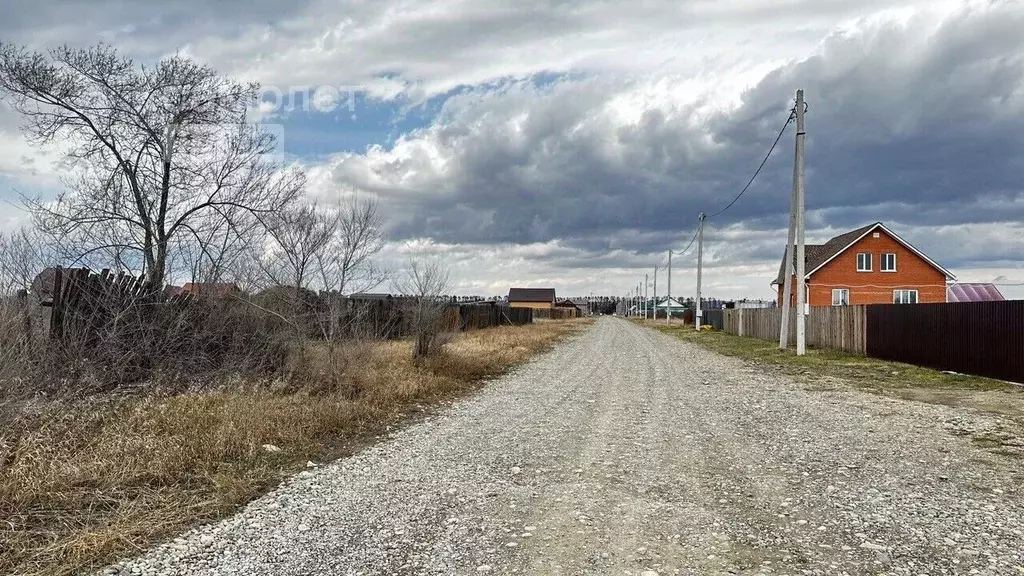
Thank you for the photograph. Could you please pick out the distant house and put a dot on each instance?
(749, 304)
(566, 303)
(531, 298)
(211, 288)
(583, 304)
(973, 292)
(869, 265)
(672, 305)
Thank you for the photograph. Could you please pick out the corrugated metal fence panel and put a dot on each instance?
(982, 338)
(712, 317)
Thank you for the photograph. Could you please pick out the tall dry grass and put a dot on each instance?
(83, 483)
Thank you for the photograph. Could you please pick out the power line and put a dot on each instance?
(763, 162)
(688, 246)
(792, 115)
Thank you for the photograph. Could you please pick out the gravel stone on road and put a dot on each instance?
(626, 451)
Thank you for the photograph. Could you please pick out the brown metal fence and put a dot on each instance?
(983, 338)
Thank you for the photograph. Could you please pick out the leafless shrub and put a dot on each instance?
(426, 281)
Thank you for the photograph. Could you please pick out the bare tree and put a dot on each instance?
(426, 281)
(24, 253)
(299, 237)
(346, 266)
(158, 153)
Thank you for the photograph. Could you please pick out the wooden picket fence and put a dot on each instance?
(837, 327)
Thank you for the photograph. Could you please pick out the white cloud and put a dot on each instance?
(584, 137)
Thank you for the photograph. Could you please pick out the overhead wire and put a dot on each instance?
(775, 143)
(792, 115)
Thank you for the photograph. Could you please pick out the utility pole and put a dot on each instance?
(700, 264)
(668, 297)
(789, 273)
(801, 265)
(655, 315)
(647, 279)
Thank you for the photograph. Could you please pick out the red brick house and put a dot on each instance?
(869, 265)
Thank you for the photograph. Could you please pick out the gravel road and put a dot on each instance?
(625, 451)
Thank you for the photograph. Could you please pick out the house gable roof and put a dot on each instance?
(531, 295)
(817, 255)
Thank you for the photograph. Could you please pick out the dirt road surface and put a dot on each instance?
(625, 451)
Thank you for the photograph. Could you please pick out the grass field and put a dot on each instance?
(83, 484)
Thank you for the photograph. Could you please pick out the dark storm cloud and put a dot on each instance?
(924, 126)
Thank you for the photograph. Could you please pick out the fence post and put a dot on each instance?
(739, 313)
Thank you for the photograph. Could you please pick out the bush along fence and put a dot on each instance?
(980, 338)
(83, 305)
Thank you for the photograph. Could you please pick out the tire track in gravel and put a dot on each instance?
(625, 451)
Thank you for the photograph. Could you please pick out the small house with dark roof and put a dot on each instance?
(869, 265)
(531, 298)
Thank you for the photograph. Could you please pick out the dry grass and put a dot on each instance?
(85, 483)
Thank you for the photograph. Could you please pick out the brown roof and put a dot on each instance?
(816, 254)
(531, 295)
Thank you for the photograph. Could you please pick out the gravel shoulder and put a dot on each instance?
(626, 451)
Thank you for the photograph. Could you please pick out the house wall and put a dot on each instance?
(534, 305)
(875, 287)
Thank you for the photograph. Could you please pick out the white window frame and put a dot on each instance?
(844, 296)
(882, 262)
(869, 259)
(902, 296)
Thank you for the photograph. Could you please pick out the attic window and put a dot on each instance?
(864, 262)
(888, 262)
(876, 235)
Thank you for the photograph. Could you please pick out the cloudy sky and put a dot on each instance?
(572, 143)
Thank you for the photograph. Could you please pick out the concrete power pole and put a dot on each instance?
(700, 264)
(668, 296)
(788, 271)
(801, 265)
(647, 279)
(654, 316)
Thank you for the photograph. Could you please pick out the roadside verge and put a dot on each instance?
(85, 483)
